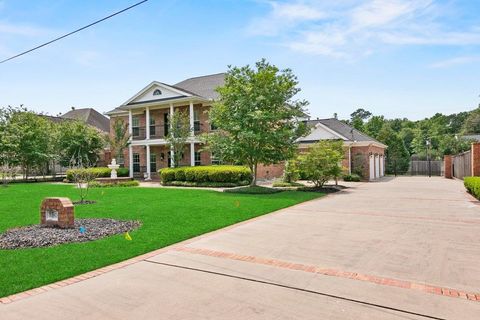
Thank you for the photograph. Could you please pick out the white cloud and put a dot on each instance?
(348, 29)
(284, 15)
(21, 30)
(455, 61)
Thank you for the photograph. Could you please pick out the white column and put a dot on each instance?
(130, 160)
(149, 173)
(147, 123)
(192, 154)
(130, 131)
(170, 124)
(192, 130)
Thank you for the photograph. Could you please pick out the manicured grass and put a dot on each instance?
(168, 216)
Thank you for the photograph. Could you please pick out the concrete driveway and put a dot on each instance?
(404, 248)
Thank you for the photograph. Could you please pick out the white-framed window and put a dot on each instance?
(198, 158)
(136, 162)
(152, 126)
(153, 162)
(196, 120)
(135, 126)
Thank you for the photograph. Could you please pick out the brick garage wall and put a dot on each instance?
(364, 155)
(271, 171)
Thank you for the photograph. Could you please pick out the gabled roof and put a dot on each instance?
(89, 116)
(203, 86)
(342, 130)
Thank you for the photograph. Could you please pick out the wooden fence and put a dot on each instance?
(462, 165)
(421, 168)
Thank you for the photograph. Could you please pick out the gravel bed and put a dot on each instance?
(38, 236)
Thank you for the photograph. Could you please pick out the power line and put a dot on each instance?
(73, 32)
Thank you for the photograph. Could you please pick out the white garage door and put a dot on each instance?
(382, 169)
(377, 166)
(372, 168)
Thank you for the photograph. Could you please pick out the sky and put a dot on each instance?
(398, 58)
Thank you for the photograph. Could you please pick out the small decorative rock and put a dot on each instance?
(57, 212)
(38, 236)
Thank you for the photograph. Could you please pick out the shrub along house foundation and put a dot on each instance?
(362, 153)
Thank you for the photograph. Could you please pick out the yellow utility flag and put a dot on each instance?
(127, 236)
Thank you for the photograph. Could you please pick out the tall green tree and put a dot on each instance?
(79, 144)
(257, 118)
(322, 162)
(397, 155)
(178, 135)
(472, 123)
(30, 138)
(120, 138)
(358, 118)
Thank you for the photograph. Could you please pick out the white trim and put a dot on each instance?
(147, 123)
(130, 129)
(159, 84)
(192, 132)
(130, 160)
(192, 154)
(149, 169)
(335, 133)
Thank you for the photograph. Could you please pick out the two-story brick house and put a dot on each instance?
(147, 115)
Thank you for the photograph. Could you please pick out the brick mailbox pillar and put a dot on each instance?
(57, 212)
(447, 161)
(475, 159)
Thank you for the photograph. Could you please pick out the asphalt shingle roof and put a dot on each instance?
(203, 86)
(343, 129)
(89, 116)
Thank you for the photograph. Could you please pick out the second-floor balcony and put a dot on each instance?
(160, 131)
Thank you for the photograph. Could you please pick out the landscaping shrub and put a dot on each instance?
(352, 177)
(207, 184)
(282, 184)
(225, 174)
(253, 190)
(99, 172)
(132, 183)
(472, 184)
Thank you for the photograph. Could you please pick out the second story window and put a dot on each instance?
(135, 126)
(196, 120)
(152, 127)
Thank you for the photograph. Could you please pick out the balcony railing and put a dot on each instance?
(161, 131)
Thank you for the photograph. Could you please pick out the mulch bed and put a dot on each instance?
(37, 236)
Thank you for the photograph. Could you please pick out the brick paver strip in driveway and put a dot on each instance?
(412, 232)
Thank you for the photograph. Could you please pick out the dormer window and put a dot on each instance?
(157, 92)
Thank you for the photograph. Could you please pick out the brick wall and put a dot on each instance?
(271, 171)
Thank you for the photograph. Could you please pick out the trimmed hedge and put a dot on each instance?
(253, 190)
(206, 184)
(201, 174)
(472, 184)
(99, 172)
(123, 184)
(352, 177)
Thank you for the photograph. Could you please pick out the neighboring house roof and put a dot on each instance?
(89, 116)
(339, 129)
(204, 86)
(475, 137)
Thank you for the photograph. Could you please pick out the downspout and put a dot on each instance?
(349, 159)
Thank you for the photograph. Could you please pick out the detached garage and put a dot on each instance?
(362, 153)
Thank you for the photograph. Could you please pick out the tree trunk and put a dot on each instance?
(254, 174)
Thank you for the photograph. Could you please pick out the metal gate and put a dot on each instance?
(425, 168)
(462, 165)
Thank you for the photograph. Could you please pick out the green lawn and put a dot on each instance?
(168, 216)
